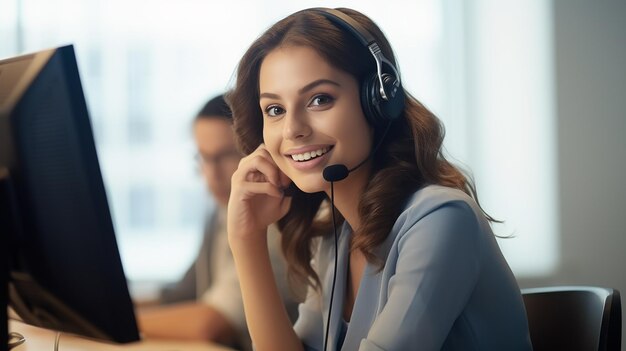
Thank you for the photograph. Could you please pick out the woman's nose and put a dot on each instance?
(296, 126)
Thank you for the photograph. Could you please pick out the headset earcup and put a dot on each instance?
(377, 110)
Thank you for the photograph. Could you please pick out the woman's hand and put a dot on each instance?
(256, 196)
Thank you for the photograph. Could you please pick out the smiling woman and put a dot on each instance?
(416, 258)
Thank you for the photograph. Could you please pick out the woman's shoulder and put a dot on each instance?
(431, 197)
(434, 215)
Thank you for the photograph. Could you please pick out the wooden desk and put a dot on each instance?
(38, 339)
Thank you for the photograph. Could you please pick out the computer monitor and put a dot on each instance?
(63, 268)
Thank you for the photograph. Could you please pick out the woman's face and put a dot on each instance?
(312, 116)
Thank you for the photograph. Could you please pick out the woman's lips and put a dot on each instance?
(307, 155)
(306, 160)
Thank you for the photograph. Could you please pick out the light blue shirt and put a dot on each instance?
(445, 285)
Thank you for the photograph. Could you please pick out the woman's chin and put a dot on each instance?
(311, 186)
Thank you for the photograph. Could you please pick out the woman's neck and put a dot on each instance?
(348, 194)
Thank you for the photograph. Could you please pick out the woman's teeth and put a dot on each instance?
(309, 155)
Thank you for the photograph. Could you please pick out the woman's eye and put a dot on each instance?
(320, 100)
(274, 111)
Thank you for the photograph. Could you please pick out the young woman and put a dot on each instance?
(418, 267)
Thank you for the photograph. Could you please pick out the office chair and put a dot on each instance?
(574, 318)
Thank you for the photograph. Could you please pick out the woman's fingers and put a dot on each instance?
(252, 188)
(259, 167)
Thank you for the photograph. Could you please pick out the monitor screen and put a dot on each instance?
(64, 270)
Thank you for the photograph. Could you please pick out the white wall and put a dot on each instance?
(590, 67)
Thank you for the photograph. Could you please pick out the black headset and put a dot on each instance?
(382, 95)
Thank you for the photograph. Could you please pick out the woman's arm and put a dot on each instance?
(256, 201)
(268, 322)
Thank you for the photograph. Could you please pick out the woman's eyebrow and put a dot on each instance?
(316, 83)
(269, 96)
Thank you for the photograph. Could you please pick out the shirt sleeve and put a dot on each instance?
(436, 269)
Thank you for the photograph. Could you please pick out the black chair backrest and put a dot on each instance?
(574, 318)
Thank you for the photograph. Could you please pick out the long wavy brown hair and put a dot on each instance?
(409, 157)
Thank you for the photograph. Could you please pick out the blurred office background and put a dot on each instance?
(532, 93)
